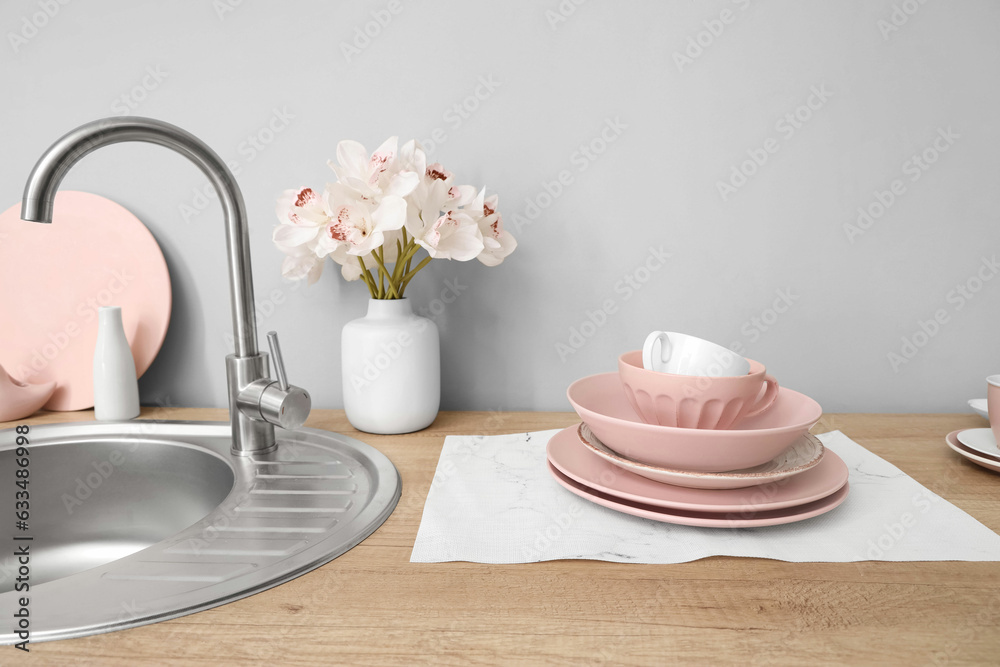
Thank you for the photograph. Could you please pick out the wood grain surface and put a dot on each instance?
(372, 606)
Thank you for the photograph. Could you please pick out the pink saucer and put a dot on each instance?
(952, 440)
(55, 277)
(704, 519)
(601, 403)
(575, 460)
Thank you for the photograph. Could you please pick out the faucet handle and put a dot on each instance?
(280, 403)
(279, 362)
(287, 408)
(275, 401)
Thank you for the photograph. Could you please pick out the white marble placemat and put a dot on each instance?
(493, 501)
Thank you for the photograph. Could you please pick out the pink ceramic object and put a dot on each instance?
(575, 460)
(690, 401)
(19, 400)
(993, 404)
(981, 441)
(55, 277)
(601, 403)
(704, 519)
(803, 454)
(987, 462)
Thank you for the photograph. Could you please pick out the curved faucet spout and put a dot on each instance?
(40, 192)
(256, 403)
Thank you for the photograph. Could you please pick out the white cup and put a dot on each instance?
(681, 354)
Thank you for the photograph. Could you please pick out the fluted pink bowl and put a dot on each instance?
(691, 401)
(600, 401)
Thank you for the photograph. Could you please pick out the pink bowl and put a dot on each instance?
(601, 403)
(691, 401)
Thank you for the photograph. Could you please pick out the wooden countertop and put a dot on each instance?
(372, 606)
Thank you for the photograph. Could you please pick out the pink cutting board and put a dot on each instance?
(54, 277)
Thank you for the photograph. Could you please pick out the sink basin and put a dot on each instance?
(94, 501)
(136, 522)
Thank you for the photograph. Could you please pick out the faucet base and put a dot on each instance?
(250, 436)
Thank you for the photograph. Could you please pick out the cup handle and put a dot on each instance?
(767, 400)
(650, 345)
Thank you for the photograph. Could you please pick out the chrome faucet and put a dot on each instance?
(256, 403)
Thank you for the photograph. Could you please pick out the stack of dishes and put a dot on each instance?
(978, 445)
(682, 448)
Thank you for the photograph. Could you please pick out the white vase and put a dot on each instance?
(116, 389)
(391, 364)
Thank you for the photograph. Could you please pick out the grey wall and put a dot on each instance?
(890, 81)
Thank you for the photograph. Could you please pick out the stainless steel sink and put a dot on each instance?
(97, 500)
(137, 522)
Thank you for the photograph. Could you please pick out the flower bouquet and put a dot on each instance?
(373, 221)
(381, 211)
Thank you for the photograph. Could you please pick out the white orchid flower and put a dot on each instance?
(436, 177)
(413, 158)
(302, 214)
(438, 224)
(497, 241)
(356, 222)
(350, 267)
(434, 197)
(454, 235)
(301, 263)
(380, 174)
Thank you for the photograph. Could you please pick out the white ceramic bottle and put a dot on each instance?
(116, 389)
(391, 364)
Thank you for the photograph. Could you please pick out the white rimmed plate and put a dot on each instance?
(803, 454)
(989, 463)
(980, 440)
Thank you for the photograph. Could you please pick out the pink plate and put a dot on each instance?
(600, 401)
(575, 460)
(803, 454)
(975, 457)
(704, 519)
(55, 277)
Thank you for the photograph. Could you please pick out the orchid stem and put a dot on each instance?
(413, 250)
(369, 281)
(409, 276)
(409, 257)
(403, 265)
(403, 261)
(381, 276)
(379, 256)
